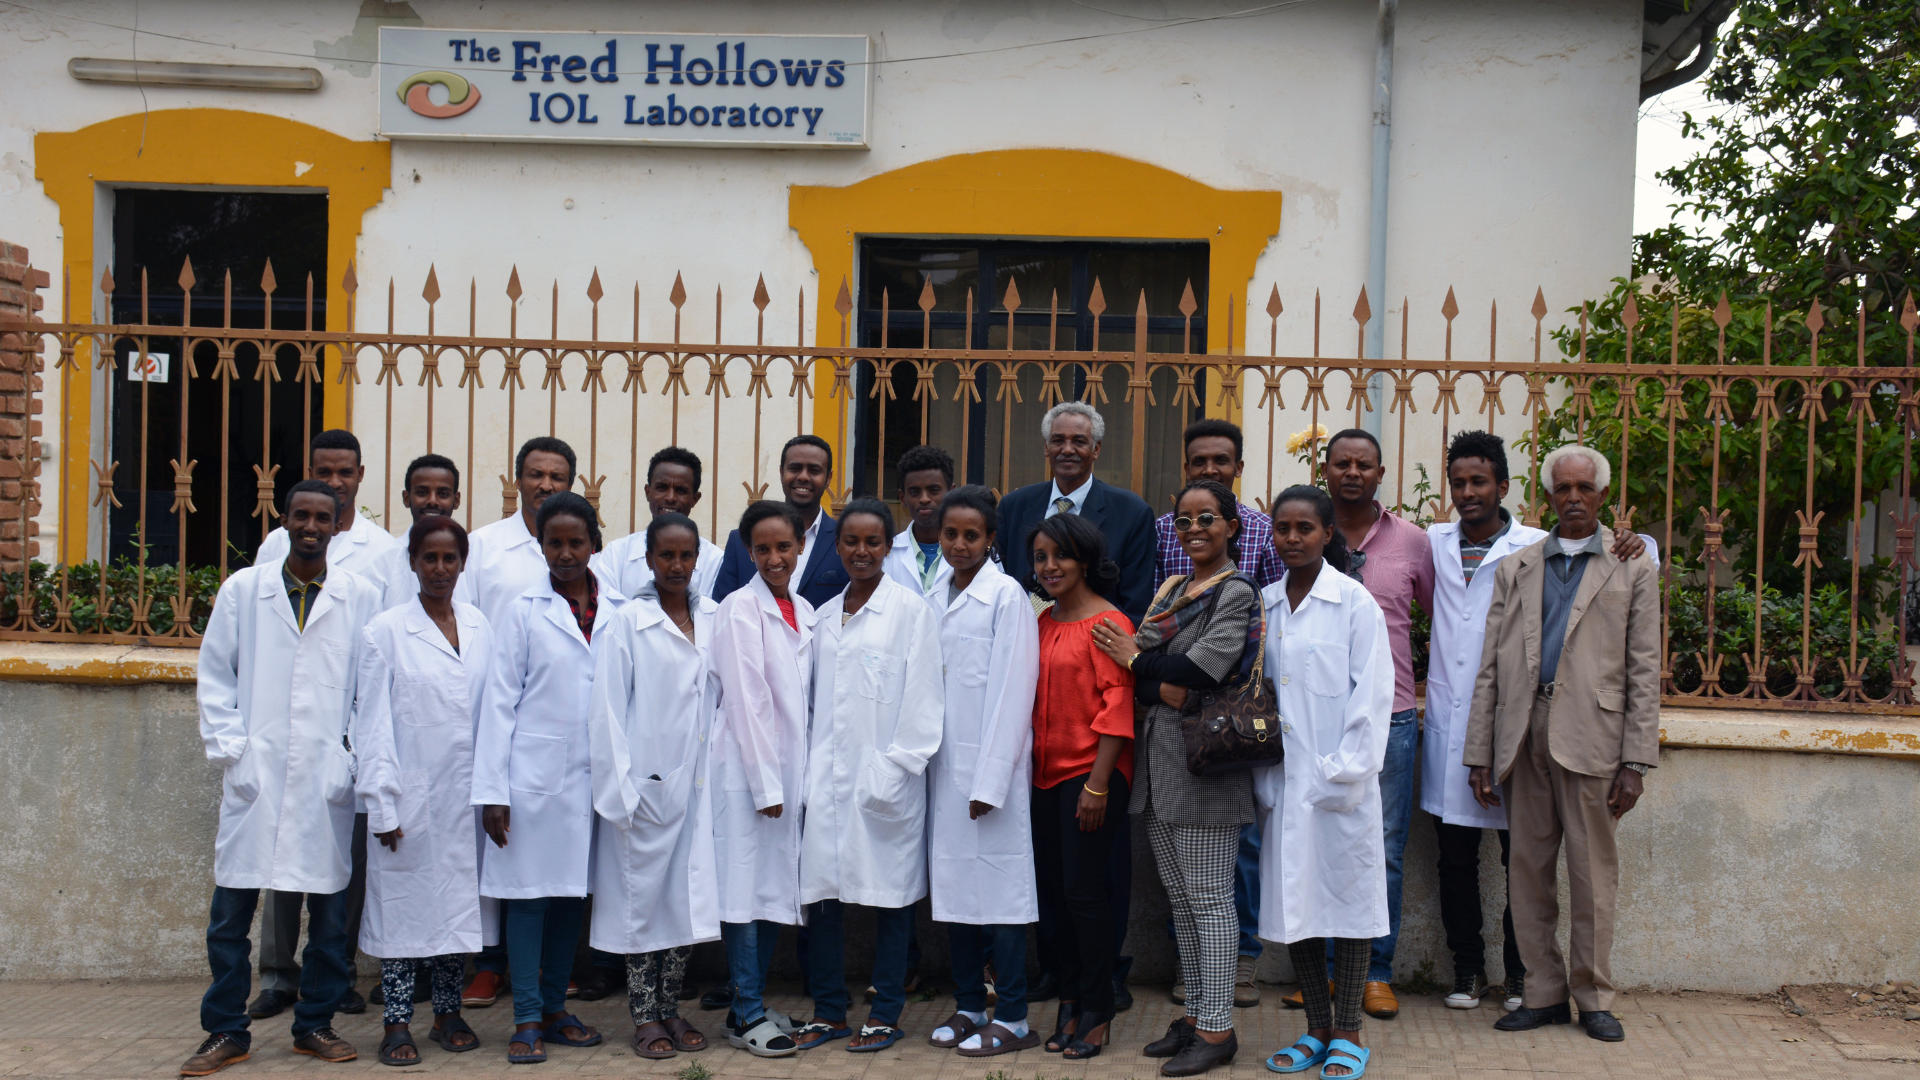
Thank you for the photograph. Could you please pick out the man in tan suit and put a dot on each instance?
(1566, 715)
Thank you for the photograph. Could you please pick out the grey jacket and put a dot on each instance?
(1214, 642)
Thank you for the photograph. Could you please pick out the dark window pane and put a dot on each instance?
(1162, 271)
(1038, 277)
(903, 272)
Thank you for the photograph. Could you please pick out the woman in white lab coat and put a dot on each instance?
(1323, 864)
(878, 710)
(655, 693)
(421, 682)
(980, 846)
(763, 652)
(532, 773)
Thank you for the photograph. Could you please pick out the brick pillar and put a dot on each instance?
(20, 386)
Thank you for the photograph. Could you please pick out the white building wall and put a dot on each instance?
(1511, 170)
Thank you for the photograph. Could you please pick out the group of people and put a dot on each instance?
(443, 745)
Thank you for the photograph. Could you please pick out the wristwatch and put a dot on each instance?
(1635, 766)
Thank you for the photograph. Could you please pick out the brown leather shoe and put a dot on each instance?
(216, 1053)
(325, 1044)
(1298, 999)
(1379, 1002)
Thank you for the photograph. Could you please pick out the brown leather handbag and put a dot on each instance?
(1236, 727)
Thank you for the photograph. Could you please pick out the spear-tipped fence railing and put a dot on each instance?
(1736, 630)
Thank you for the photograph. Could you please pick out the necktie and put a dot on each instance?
(1063, 505)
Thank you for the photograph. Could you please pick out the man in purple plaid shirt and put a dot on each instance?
(1213, 452)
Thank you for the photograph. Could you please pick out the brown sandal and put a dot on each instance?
(649, 1033)
(680, 1029)
(962, 1026)
(1008, 1042)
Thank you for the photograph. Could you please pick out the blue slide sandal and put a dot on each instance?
(1345, 1053)
(1295, 1062)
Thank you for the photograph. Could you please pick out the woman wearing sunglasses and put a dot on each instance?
(1198, 630)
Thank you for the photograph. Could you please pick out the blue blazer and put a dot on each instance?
(1123, 516)
(824, 579)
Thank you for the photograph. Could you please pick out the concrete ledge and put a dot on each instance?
(114, 665)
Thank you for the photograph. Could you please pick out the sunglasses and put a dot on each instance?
(1356, 561)
(1188, 524)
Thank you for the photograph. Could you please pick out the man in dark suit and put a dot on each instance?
(1071, 432)
(806, 467)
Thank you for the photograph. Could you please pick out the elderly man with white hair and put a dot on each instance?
(1565, 724)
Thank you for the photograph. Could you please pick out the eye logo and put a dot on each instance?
(461, 94)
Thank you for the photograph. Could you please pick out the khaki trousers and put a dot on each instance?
(1546, 804)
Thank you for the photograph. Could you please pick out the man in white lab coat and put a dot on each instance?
(926, 475)
(365, 549)
(504, 561)
(430, 487)
(673, 487)
(276, 685)
(1465, 553)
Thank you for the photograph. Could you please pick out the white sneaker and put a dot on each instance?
(1468, 988)
(1516, 990)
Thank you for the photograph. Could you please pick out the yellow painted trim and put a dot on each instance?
(188, 148)
(1082, 194)
(100, 665)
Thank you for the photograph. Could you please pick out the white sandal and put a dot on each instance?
(762, 1039)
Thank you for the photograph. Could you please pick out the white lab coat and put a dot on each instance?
(1459, 628)
(275, 703)
(879, 709)
(503, 561)
(903, 565)
(766, 675)
(413, 729)
(655, 695)
(624, 563)
(365, 549)
(1323, 866)
(982, 871)
(532, 753)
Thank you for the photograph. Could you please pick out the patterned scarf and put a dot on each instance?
(1172, 610)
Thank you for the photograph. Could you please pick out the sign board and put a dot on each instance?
(718, 90)
(149, 367)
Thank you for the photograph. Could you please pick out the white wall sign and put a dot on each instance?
(744, 90)
(152, 367)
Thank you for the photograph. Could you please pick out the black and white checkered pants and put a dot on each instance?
(396, 986)
(653, 983)
(1196, 865)
(1351, 958)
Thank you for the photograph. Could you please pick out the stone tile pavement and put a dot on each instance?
(145, 1029)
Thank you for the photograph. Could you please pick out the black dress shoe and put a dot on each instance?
(1045, 989)
(717, 998)
(1122, 997)
(1602, 1025)
(1179, 1034)
(1201, 1055)
(377, 995)
(688, 991)
(599, 982)
(269, 1003)
(352, 1003)
(1525, 1019)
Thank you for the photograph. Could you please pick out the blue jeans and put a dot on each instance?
(541, 934)
(749, 956)
(971, 948)
(827, 962)
(1396, 812)
(1246, 889)
(326, 969)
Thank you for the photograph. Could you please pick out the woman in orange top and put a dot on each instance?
(1082, 765)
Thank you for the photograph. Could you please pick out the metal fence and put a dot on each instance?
(1712, 454)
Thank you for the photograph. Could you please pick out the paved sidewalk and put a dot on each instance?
(126, 1029)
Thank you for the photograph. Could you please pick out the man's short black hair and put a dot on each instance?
(549, 445)
(807, 440)
(1357, 433)
(675, 455)
(338, 439)
(922, 458)
(1480, 444)
(1213, 429)
(314, 487)
(431, 461)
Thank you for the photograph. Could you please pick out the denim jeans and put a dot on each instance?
(1246, 889)
(541, 934)
(1396, 811)
(326, 970)
(827, 962)
(972, 947)
(749, 955)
